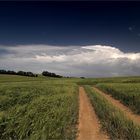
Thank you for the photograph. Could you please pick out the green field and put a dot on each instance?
(37, 108)
(112, 119)
(40, 108)
(128, 94)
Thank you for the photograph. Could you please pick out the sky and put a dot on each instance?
(91, 39)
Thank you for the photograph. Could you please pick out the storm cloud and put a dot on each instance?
(89, 61)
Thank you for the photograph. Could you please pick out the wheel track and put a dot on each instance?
(134, 117)
(89, 126)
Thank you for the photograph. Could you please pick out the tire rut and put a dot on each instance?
(134, 117)
(89, 126)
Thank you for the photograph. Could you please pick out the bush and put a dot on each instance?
(49, 74)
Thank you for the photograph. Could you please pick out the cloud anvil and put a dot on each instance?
(93, 60)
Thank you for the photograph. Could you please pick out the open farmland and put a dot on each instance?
(41, 108)
(128, 94)
(113, 120)
(37, 109)
(70, 70)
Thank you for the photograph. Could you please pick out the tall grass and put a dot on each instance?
(38, 110)
(128, 94)
(93, 81)
(112, 119)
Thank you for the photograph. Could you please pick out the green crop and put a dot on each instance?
(43, 108)
(112, 119)
(128, 93)
(38, 110)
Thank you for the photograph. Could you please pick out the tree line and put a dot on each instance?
(30, 74)
(22, 73)
(50, 74)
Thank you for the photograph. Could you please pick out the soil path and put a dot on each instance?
(117, 103)
(89, 127)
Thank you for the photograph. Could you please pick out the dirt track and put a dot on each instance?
(89, 127)
(126, 110)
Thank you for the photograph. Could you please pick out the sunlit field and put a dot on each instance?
(37, 108)
(47, 108)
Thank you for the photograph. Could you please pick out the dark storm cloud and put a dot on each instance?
(62, 37)
(70, 23)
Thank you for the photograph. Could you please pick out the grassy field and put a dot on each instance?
(112, 119)
(40, 108)
(94, 81)
(37, 108)
(128, 94)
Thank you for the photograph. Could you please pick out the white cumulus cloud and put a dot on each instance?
(90, 61)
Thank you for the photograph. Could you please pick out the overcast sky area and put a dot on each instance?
(91, 39)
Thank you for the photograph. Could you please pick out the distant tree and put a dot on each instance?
(3, 71)
(49, 74)
(45, 73)
(7, 72)
(11, 72)
(82, 77)
(22, 73)
(30, 74)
